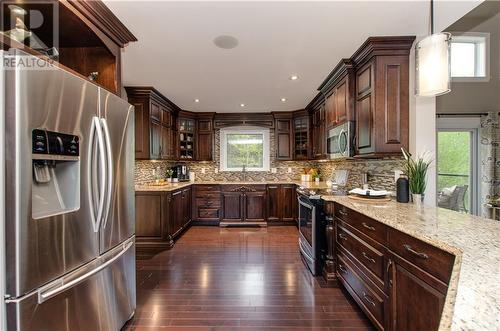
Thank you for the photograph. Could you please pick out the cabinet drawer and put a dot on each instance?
(370, 300)
(362, 223)
(207, 187)
(207, 203)
(208, 213)
(207, 195)
(367, 255)
(431, 259)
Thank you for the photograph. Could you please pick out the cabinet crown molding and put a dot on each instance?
(390, 45)
(99, 14)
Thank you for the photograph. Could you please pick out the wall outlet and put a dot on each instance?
(203, 170)
(289, 170)
(274, 170)
(397, 174)
(216, 170)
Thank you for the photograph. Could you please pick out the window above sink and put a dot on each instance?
(244, 148)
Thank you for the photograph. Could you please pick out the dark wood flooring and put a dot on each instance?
(222, 279)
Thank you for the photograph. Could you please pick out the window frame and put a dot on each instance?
(468, 37)
(266, 157)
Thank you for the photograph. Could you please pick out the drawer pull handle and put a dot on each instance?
(341, 268)
(369, 299)
(343, 213)
(414, 252)
(342, 236)
(368, 258)
(369, 227)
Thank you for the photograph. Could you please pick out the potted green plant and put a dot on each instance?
(416, 170)
(169, 173)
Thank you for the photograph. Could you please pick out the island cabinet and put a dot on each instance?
(400, 282)
(281, 203)
(160, 217)
(155, 124)
(382, 96)
(243, 203)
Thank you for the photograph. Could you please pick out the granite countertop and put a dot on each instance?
(473, 298)
(167, 187)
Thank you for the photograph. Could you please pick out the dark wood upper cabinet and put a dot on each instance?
(283, 135)
(382, 96)
(319, 132)
(186, 136)
(155, 124)
(204, 137)
(301, 136)
(90, 39)
(338, 87)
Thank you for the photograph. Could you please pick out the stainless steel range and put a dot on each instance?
(312, 229)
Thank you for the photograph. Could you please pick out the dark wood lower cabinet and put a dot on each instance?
(160, 217)
(281, 203)
(232, 207)
(399, 281)
(255, 206)
(416, 298)
(244, 203)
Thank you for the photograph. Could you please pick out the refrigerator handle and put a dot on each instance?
(50, 291)
(110, 171)
(102, 159)
(89, 175)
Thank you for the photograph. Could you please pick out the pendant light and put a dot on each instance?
(432, 63)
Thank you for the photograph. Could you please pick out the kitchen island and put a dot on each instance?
(472, 301)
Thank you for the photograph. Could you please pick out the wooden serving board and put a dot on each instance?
(370, 200)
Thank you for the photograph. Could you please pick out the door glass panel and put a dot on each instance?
(454, 170)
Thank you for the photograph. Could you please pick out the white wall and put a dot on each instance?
(476, 97)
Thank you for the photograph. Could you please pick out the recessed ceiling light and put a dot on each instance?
(283, 99)
(226, 42)
(242, 105)
(196, 100)
(294, 77)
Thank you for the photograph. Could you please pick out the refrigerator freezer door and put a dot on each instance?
(40, 249)
(117, 120)
(99, 296)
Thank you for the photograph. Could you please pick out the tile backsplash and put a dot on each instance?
(381, 171)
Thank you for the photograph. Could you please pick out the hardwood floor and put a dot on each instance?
(222, 279)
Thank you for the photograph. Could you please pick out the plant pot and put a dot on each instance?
(169, 180)
(418, 199)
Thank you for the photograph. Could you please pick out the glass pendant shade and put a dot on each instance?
(432, 65)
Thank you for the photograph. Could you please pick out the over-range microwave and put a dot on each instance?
(340, 141)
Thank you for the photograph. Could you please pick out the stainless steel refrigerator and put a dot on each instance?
(69, 218)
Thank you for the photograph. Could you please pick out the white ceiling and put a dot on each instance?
(175, 52)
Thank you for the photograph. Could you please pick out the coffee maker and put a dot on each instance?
(181, 172)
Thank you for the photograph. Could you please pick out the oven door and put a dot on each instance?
(306, 222)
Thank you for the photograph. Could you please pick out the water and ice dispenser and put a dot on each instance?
(56, 173)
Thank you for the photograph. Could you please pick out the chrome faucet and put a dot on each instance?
(244, 171)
